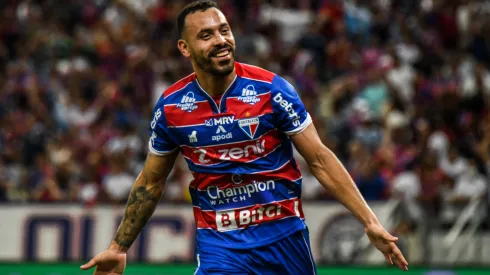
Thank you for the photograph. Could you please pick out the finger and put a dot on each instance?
(401, 266)
(388, 258)
(398, 256)
(89, 265)
(399, 259)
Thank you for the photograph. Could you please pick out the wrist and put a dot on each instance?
(117, 248)
(371, 221)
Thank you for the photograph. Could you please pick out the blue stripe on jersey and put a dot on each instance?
(253, 236)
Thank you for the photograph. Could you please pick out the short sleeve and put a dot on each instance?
(290, 113)
(160, 143)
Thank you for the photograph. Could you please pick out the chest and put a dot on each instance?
(241, 119)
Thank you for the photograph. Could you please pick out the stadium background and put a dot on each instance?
(398, 89)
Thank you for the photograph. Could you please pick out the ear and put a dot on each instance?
(183, 47)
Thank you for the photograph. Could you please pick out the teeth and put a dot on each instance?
(222, 54)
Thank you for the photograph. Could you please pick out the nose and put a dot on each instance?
(220, 39)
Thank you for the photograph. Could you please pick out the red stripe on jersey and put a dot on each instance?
(244, 151)
(201, 181)
(252, 215)
(287, 171)
(177, 117)
(254, 73)
(179, 85)
(245, 110)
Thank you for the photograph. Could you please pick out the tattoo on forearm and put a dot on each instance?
(140, 206)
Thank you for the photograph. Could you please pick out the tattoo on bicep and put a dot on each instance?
(140, 206)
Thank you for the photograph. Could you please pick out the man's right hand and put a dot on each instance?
(109, 262)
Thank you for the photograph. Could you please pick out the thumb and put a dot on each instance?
(89, 265)
(387, 236)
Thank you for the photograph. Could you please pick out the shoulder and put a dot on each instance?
(280, 84)
(179, 85)
(277, 83)
(254, 73)
(174, 89)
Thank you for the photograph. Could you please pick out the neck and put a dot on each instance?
(212, 84)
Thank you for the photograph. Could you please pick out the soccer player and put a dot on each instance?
(236, 124)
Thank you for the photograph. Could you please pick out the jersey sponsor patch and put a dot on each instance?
(249, 95)
(187, 103)
(193, 137)
(233, 219)
(288, 107)
(245, 151)
(249, 126)
(225, 120)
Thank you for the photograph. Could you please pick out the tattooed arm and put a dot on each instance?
(143, 199)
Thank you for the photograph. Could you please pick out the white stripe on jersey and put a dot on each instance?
(256, 80)
(248, 226)
(159, 153)
(257, 95)
(198, 264)
(175, 104)
(183, 126)
(301, 127)
(309, 254)
(242, 207)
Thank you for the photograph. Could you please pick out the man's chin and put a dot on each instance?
(224, 68)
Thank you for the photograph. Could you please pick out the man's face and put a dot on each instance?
(210, 42)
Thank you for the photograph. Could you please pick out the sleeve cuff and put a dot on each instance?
(155, 152)
(301, 127)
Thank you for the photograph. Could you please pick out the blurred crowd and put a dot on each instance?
(397, 89)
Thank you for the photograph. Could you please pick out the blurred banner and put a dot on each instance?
(53, 233)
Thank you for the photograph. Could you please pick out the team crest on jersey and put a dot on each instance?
(188, 102)
(249, 95)
(249, 126)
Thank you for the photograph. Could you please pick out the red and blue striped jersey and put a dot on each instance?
(247, 186)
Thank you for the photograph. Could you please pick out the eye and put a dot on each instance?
(225, 31)
(206, 36)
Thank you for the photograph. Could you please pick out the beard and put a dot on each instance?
(214, 67)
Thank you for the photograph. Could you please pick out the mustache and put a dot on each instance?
(217, 49)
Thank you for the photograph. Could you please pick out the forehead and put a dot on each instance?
(210, 18)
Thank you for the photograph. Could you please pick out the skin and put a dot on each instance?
(205, 34)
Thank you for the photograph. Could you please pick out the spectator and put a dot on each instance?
(365, 173)
(471, 185)
(117, 182)
(453, 165)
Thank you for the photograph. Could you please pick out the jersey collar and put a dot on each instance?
(222, 103)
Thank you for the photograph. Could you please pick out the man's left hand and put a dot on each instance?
(385, 243)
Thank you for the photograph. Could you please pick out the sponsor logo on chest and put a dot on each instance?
(249, 95)
(234, 153)
(187, 103)
(221, 122)
(225, 120)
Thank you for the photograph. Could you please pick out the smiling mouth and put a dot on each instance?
(221, 53)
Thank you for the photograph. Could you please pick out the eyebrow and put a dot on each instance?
(210, 30)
